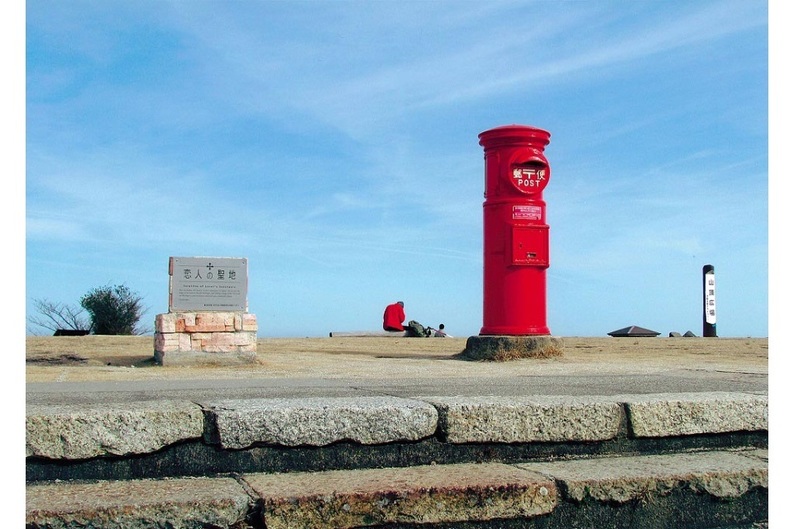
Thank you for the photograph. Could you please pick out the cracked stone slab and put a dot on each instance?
(527, 419)
(80, 432)
(320, 421)
(184, 503)
(422, 494)
(663, 415)
(722, 474)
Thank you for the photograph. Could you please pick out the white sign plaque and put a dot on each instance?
(710, 298)
(208, 284)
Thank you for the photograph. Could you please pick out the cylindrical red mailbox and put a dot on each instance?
(516, 236)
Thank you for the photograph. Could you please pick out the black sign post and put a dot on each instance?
(709, 303)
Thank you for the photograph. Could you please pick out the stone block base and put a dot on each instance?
(205, 338)
(505, 348)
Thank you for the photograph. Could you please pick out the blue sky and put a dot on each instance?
(334, 145)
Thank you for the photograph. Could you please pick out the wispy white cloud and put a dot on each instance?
(360, 102)
(46, 226)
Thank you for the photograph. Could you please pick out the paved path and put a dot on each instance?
(577, 384)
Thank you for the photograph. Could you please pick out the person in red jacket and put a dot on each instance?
(393, 317)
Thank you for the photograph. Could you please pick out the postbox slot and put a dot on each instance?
(531, 245)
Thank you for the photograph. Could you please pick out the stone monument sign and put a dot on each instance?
(205, 283)
(207, 319)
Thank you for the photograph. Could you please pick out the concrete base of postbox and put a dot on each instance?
(506, 348)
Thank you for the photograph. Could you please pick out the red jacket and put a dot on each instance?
(393, 317)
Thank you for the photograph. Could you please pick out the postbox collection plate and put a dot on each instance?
(531, 245)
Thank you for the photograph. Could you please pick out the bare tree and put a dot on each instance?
(54, 316)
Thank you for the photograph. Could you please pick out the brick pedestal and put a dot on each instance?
(205, 337)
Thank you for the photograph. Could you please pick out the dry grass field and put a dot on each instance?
(131, 358)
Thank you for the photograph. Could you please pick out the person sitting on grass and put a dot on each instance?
(440, 333)
(393, 317)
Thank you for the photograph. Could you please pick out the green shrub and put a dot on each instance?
(113, 310)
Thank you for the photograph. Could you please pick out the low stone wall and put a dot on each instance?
(63, 439)
(204, 337)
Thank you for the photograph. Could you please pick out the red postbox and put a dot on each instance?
(516, 236)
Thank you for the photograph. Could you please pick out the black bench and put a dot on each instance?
(70, 332)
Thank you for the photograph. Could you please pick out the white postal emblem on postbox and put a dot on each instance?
(530, 178)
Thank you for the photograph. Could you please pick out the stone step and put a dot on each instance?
(154, 439)
(80, 431)
(723, 488)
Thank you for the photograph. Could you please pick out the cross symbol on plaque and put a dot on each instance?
(210, 267)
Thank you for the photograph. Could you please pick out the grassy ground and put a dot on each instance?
(131, 357)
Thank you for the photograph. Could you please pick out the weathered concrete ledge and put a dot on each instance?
(628, 492)
(527, 419)
(595, 418)
(663, 415)
(320, 421)
(422, 494)
(176, 503)
(80, 432)
(722, 475)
